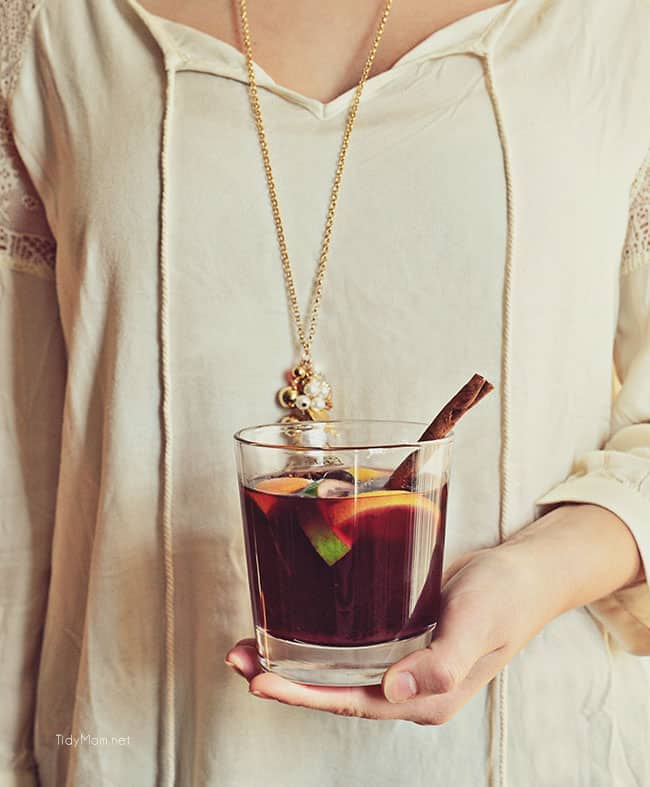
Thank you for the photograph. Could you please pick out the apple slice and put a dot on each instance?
(332, 487)
(327, 543)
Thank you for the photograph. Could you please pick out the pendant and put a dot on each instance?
(308, 395)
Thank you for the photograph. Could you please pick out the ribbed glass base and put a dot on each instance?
(324, 665)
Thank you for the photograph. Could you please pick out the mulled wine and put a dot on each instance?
(339, 561)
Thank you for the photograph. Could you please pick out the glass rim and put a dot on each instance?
(240, 437)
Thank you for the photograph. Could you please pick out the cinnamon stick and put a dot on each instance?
(471, 393)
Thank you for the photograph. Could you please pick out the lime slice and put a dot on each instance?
(311, 490)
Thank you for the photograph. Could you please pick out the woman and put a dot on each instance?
(492, 215)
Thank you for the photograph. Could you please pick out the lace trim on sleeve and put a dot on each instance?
(26, 242)
(636, 251)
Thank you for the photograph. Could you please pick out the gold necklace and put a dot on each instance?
(308, 395)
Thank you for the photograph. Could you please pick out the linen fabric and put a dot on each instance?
(493, 217)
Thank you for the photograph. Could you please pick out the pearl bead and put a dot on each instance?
(312, 388)
(303, 402)
(318, 403)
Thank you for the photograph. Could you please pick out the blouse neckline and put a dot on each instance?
(192, 49)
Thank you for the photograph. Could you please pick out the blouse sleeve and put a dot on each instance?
(32, 380)
(618, 476)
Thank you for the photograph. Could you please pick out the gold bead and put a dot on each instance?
(299, 372)
(287, 396)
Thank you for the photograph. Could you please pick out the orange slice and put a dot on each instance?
(386, 510)
(284, 485)
(269, 491)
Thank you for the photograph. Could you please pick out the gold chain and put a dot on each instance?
(306, 337)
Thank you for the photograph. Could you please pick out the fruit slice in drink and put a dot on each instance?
(282, 485)
(388, 511)
(333, 526)
(337, 516)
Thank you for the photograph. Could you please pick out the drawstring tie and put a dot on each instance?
(168, 754)
(498, 771)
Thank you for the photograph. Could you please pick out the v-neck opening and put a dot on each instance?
(197, 50)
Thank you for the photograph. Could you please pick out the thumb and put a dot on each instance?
(441, 667)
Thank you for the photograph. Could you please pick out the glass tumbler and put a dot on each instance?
(344, 570)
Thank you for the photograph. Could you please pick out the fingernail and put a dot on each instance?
(400, 688)
(260, 694)
(236, 667)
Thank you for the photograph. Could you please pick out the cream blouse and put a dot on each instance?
(493, 218)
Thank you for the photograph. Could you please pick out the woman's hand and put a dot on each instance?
(494, 601)
(486, 618)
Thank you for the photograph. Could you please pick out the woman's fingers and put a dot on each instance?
(462, 639)
(438, 669)
(243, 658)
(365, 702)
(369, 702)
